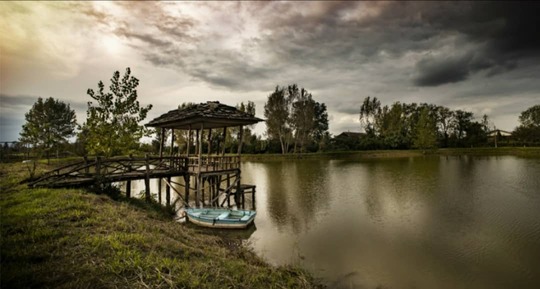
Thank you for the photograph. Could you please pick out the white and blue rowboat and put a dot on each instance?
(220, 218)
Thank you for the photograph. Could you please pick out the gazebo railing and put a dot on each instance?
(214, 163)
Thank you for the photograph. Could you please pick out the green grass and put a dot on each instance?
(67, 238)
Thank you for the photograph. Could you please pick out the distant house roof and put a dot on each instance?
(349, 134)
(211, 114)
(499, 132)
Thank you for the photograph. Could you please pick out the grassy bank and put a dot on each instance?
(67, 238)
(517, 151)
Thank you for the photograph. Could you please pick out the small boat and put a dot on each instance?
(220, 218)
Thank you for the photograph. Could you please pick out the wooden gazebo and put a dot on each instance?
(211, 173)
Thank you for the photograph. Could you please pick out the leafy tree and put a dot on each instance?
(276, 112)
(444, 122)
(302, 118)
(460, 124)
(113, 122)
(393, 129)
(48, 124)
(531, 116)
(369, 110)
(426, 131)
(320, 129)
(529, 130)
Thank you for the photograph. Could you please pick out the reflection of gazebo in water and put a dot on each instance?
(208, 174)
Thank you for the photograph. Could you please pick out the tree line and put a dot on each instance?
(295, 123)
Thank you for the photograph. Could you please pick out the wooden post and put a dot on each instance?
(186, 182)
(224, 140)
(238, 190)
(87, 168)
(161, 143)
(128, 189)
(228, 193)
(240, 139)
(147, 179)
(188, 142)
(128, 183)
(209, 142)
(199, 179)
(197, 142)
(172, 142)
(253, 199)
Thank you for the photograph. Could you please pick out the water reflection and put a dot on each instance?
(426, 222)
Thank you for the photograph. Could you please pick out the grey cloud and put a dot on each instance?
(436, 71)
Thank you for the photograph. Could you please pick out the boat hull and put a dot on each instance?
(221, 218)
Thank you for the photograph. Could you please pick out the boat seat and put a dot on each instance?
(196, 214)
(245, 218)
(223, 216)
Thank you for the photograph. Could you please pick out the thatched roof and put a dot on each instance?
(211, 114)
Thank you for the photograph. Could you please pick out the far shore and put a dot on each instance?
(517, 151)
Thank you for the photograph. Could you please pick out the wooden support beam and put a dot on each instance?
(128, 188)
(161, 144)
(172, 142)
(168, 192)
(209, 142)
(224, 140)
(253, 200)
(188, 149)
(186, 181)
(147, 179)
(240, 139)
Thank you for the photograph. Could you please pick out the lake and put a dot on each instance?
(423, 222)
(420, 222)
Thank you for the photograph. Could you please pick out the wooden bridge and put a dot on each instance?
(219, 176)
(213, 176)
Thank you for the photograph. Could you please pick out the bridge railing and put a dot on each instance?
(125, 167)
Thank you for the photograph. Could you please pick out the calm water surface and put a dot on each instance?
(425, 222)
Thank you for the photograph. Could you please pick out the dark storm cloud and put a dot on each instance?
(321, 43)
(498, 34)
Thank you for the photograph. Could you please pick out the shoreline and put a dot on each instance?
(72, 238)
(516, 151)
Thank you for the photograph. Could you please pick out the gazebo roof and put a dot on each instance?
(211, 114)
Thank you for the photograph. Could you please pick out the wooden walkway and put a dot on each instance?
(88, 171)
(209, 177)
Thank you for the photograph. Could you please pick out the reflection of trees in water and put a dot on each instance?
(398, 184)
(296, 191)
(277, 193)
(455, 207)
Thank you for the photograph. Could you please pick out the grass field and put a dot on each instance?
(67, 238)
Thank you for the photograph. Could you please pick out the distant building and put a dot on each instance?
(351, 135)
(498, 136)
(347, 140)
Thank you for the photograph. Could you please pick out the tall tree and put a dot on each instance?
(370, 108)
(426, 131)
(461, 122)
(444, 122)
(320, 131)
(113, 122)
(48, 124)
(302, 118)
(276, 112)
(394, 127)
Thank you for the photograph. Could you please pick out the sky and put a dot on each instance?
(477, 56)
